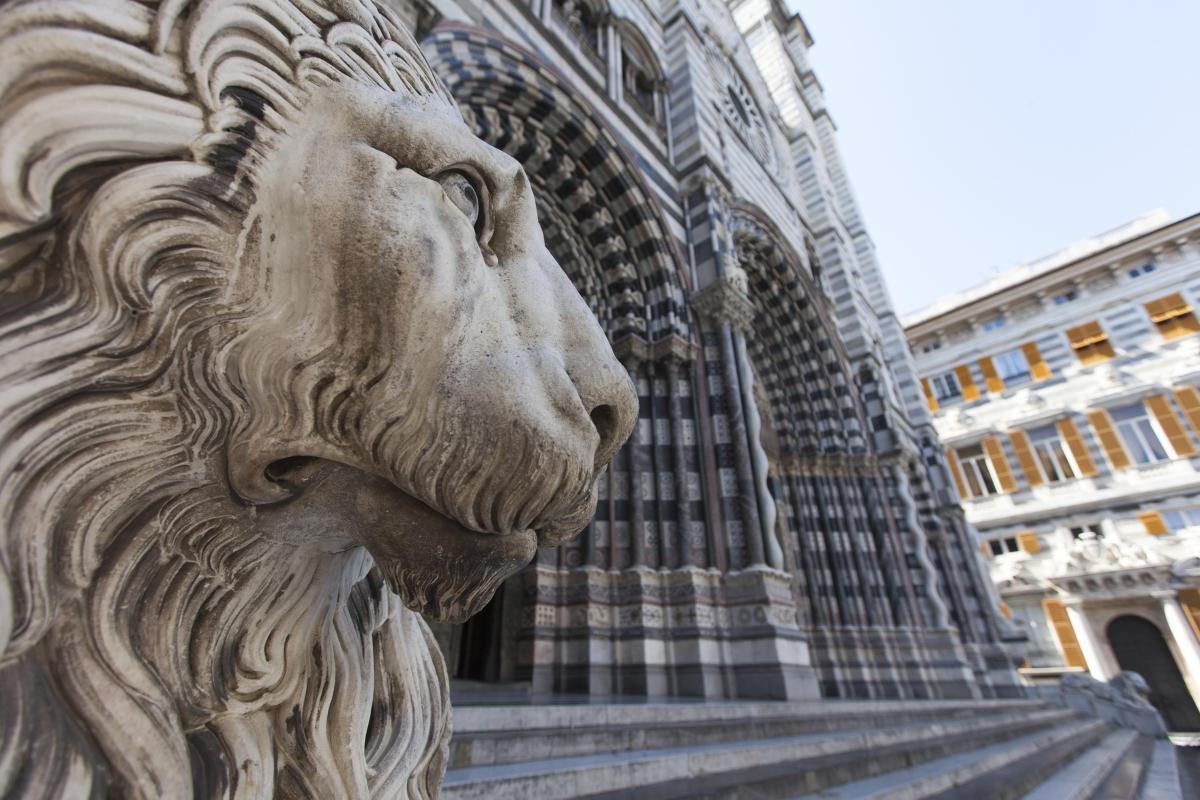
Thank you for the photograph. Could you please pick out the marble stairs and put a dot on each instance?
(977, 750)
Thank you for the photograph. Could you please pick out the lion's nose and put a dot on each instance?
(604, 418)
(608, 394)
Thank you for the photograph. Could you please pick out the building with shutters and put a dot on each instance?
(1067, 395)
(781, 524)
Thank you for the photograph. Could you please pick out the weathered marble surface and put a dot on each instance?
(283, 360)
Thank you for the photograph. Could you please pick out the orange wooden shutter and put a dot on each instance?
(969, 390)
(1173, 316)
(995, 383)
(1020, 443)
(1006, 611)
(956, 471)
(1056, 613)
(987, 551)
(930, 400)
(1154, 523)
(1189, 400)
(995, 454)
(1029, 542)
(1079, 448)
(1102, 424)
(1171, 425)
(1190, 600)
(1037, 367)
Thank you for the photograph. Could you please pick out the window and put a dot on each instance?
(1090, 343)
(1182, 518)
(1140, 434)
(639, 77)
(1003, 545)
(931, 346)
(1089, 530)
(994, 323)
(1054, 457)
(1065, 297)
(1173, 317)
(945, 387)
(977, 472)
(1012, 366)
(584, 23)
(1145, 269)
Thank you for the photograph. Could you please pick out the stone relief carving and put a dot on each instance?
(284, 361)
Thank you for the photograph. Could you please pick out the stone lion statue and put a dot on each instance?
(284, 364)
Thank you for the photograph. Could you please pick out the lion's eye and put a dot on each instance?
(462, 193)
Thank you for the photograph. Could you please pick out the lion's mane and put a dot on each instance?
(145, 650)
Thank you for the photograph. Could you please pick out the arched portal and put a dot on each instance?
(603, 225)
(600, 220)
(1140, 647)
(826, 482)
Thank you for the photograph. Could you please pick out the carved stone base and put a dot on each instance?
(657, 633)
(892, 663)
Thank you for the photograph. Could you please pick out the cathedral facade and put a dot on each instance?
(782, 523)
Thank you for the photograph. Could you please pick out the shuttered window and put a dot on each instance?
(1024, 453)
(1090, 343)
(1003, 545)
(978, 476)
(957, 473)
(1171, 425)
(1053, 455)
(1190, 600)
(1189, 400)
(990, 377)
(1078, 447)
(1029, 542)
(1103, 426)
(1056, 613)
(1140, 434)
(1173, 316)
(930, 400)
(1037, 365)
(969, 390)
(1154, 523)
(995, 454)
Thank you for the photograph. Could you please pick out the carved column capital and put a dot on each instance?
(726, 301)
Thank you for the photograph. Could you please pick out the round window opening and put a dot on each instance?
(738, 105)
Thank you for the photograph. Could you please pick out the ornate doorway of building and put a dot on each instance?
(482, 650)
(1140, 647)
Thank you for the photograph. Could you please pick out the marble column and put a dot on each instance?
(1184, 636)
(1093, 649)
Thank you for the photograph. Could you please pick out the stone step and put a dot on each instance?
(1124, 781)
(515, 734)
(704, 769)
(1079, 779)
(995, 772)
(1162, 775)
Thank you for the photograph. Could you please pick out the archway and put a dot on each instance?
(602, 223)
(1140, 647)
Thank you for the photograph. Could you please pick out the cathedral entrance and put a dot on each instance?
(481, 652)
(1140, 647)
(478, 651)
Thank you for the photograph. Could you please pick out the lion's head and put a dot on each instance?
(282, 352)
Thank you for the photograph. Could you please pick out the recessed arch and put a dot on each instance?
(590, 189)
(795, 344)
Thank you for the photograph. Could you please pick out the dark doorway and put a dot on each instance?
(1140, 648)
(478, 656)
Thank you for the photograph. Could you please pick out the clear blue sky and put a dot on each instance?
(982, 134)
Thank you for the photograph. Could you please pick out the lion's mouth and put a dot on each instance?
(435, 564)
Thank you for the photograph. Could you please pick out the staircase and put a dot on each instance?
(978, 750)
